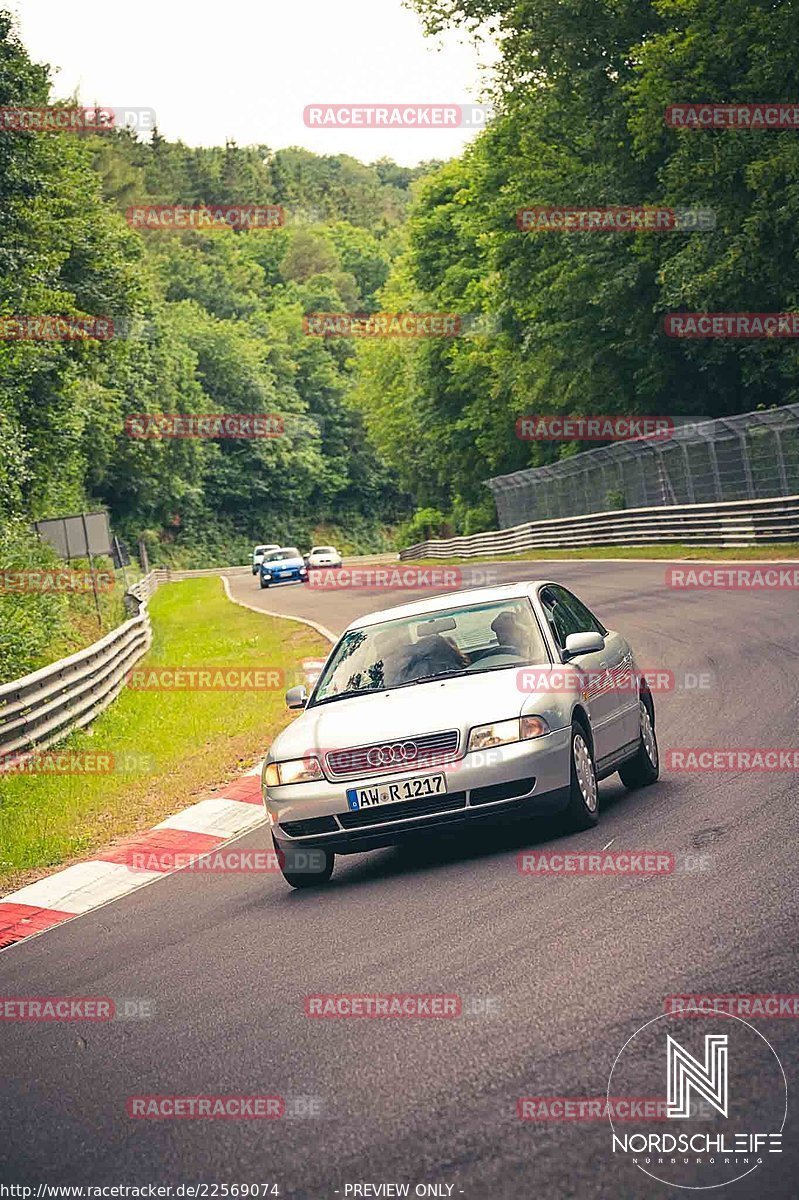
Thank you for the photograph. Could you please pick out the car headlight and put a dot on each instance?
(502, 733)
(296, 770)
(303, 570)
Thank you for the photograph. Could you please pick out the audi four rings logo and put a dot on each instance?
(387, 756)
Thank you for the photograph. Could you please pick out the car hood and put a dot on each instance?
(458, 703)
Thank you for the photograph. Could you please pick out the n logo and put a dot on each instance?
(708, 1080)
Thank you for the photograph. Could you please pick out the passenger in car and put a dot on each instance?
(510, 632)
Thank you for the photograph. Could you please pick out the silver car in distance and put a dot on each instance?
(485, 705)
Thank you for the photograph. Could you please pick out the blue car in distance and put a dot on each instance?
(283, 566)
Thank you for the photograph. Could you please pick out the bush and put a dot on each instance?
(425, 523)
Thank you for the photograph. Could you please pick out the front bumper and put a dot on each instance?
(509, 782)
(293, 576)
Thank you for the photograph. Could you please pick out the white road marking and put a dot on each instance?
(217, 816)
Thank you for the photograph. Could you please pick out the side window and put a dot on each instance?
(583, 619)
(561, 620)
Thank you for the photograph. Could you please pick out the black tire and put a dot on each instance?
(645, 767)
(264, 584)
(581, 813)
(304, 868)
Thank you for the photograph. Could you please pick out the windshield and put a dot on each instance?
(457, 641)
(323, 550)
(279, 555)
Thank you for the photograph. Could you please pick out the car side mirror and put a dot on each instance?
(297, 697)
(584, 643)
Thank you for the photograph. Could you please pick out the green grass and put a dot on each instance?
(193, 740)
(672, 551)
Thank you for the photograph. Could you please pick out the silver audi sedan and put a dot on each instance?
(494, 704)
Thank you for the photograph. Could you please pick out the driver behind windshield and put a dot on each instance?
(431, 655)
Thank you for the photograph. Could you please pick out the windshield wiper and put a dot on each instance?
(448, 674)
(346, 694)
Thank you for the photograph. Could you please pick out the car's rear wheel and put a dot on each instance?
(645, 767)
(582, 811)
(304, 868)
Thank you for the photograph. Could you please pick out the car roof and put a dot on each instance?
(446, 600)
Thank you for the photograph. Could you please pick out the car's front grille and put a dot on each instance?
(309, 826)
(399, 812)
(396, 754)
(501, 791)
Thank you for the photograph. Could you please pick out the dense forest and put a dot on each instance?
(205, 322)
(385, 428)
(579, 99)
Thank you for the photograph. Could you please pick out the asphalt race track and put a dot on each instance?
(571, 966)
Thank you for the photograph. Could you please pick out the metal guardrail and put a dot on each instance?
(735, 523)
(46, 706)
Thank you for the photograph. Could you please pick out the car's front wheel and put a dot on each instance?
(304, 868)
(264, 584)
(645, 767)
(582, 811)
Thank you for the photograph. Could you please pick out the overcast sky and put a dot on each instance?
(247, 69)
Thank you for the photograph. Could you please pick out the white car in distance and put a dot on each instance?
(323, 556)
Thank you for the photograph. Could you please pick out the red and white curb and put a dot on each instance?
(188, 835)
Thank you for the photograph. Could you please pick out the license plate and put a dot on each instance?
(284, 573)
(392, 793)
